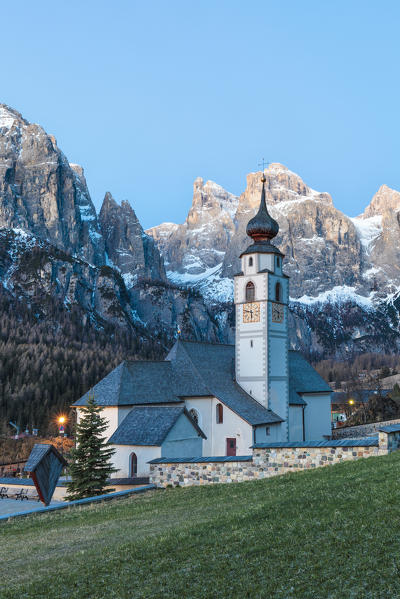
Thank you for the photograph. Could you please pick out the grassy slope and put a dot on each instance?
(329, 533)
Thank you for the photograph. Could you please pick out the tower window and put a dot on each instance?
(267, 431)
(278, 292)
(219, 413)
(278, 261)
(250, 261)
(250, 292)
(251, 342)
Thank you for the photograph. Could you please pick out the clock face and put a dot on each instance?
(278, 313)
(251, 312)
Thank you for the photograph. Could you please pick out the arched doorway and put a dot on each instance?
(133, 465)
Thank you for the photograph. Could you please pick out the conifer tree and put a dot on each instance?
(90, 467)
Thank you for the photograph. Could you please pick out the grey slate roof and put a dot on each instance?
(194, 369)
(203, 460)
(391, 428)
(294, 398)
(208, 369)
(303, 377)
(149, 425)
(134, 383)
(365, 442)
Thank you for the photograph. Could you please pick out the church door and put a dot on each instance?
(231, 447)
(133, 465)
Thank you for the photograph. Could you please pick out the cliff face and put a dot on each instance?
(42, 193)
(53, 245)
(128, 247)
(199, 244)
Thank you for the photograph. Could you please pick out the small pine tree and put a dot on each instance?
(90, 467)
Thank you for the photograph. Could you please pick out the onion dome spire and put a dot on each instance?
(262, 227)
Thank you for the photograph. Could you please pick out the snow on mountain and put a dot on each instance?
(368, 229)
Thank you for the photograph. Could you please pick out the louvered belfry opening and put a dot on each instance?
(250, 292)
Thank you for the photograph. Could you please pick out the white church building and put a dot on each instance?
(209, 399)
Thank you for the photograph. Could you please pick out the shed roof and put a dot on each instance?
(149, 425)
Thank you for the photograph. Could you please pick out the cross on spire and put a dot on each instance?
(263, 164)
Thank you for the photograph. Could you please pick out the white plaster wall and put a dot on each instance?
(110, 413)
(266, 261)
(232, 427)
(252, 358)
(295, 423)
(317, 416)
(278, 356)
(121, 459)
(114, 415)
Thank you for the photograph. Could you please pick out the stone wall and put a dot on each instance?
(264, 463)
(363, 430)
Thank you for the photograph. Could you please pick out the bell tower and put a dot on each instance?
(261, 298)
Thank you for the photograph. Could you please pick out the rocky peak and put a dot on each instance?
(9, 117)
(385, 200)
(207, 231)
(128, 248)
(40, 192)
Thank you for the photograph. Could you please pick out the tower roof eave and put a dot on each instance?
(262, 248)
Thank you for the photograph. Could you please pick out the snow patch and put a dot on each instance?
(6, 118)
(129, 280)
(336, 295)
(368, 229)
(209, 282)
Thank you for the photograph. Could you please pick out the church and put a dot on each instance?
(210, 399)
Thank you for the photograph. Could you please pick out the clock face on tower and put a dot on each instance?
(277, 313)
(251, 312)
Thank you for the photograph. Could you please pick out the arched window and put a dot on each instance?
(219, 413)
(250, 261)
(278, 292)
(133, 465)
(250, 292)
(195, 415)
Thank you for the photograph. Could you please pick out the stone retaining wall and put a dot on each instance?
(270, 460)
(362, 430)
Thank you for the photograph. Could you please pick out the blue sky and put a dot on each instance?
(146, 96)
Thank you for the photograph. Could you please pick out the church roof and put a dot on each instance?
(194, 369)
(134, 382)
(149, 425)
(209, 369)
(303, 377)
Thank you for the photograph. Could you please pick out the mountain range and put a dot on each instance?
(54, 247)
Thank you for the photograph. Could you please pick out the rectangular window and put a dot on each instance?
(267, 431)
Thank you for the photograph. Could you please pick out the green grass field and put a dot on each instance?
(329, 533)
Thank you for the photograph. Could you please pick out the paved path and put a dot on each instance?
(14, 506)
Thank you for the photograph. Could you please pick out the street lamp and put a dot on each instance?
(61, 429)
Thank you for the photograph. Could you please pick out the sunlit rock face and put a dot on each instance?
(348, 264)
